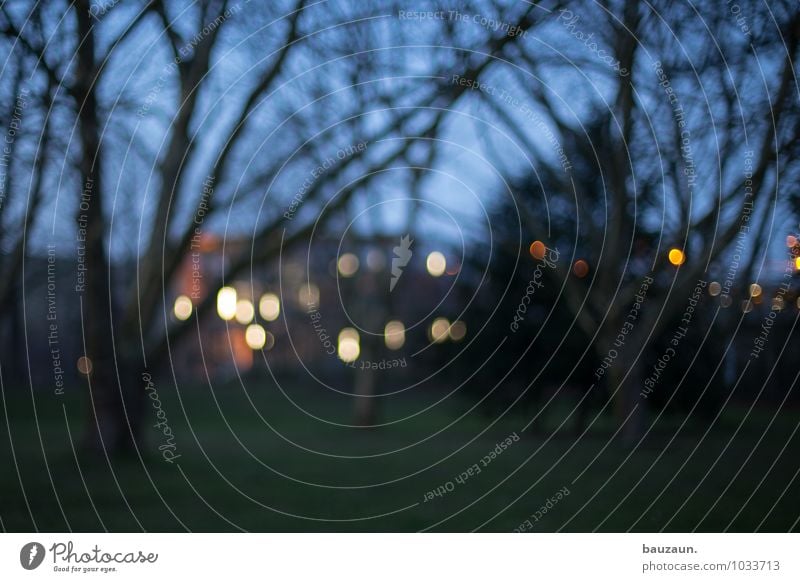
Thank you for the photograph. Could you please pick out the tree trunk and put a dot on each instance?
(110, 425)
(625, 378)
(630, 407)
(365, 408)
(371, 309)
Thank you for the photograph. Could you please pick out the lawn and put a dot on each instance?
(257, 461)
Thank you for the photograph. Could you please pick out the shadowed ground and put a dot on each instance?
(229, 478)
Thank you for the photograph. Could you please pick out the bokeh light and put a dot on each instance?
(458, 331)
(349, 346)
(84, 365)
(440, 329)
(347, 265)
(755, 290)
(537, 250)
(394, 335)
(714, 288)
(182, 308)
(255, 336)
(269, 306)
(436, 264)
(580, 268)
(226, 303)
(245, 312)
(677, 257)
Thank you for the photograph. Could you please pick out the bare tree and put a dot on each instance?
(190, 117)
(660, 127)
(215, 109)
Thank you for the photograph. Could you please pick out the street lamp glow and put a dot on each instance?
(458, 331)
(245, 311)
(537, 250)
(347, 265)
(440, 329)
(677, 257)
(436, 264)
(255, 336)
(580, 268)
(394, 335)
(226, 303)
(84, 365)
(182, 308)
(349, 345)
(269, 306)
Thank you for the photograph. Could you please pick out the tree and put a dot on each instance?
(210, 115)
(661, 127)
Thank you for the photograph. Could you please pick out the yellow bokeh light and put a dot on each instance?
(436, 264)
(308, 295)
(182, 308)
(245, 311)
(349, 345)
(269, 306)
(226, 303)
(440, 329)
(677, 257)
(714, 288)
(394, 335)
(347, 265)
(755, 290)
(797, 263)
(458, 331)
(349, 333)
(255, 336)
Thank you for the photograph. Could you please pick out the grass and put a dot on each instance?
(257, 462)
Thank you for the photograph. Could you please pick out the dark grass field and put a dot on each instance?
(254, 461)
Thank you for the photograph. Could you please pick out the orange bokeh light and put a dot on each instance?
(677, 257)
(580, 268)
(538, 250)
